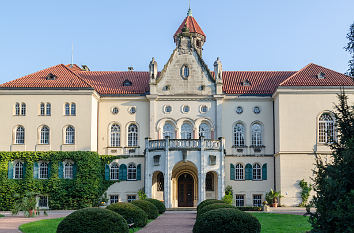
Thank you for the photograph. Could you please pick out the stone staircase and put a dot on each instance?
(182, 209)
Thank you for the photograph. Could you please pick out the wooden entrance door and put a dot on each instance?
(185, 190)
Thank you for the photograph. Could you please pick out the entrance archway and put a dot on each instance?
(185, 190)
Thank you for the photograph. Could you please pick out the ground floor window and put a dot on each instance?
(43, 201)
(257, 200)
(131, 198)
(240, 200)
(113, 199)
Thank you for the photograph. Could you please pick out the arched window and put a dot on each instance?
(209, 182)
(68, 170)
(44, 135)
(326, 128)
(185, 71)
(23, 109)
(48, 109)
(132, 172)
(18, 170)
(17, 109)
(257, 135)
(114, 172)
(133, 135)
(73, 109)
(43, 170)
(204, 130)
(169, 130)
(160, 182)
(239, 172)
(186, 131)
(257, 172)
(41, 108)
(67, 109)
(20, 135)
(115, 135)
(239, 135)
(70, 135)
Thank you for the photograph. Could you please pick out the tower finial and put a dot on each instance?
(189, 9)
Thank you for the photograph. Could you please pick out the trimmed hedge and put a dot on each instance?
(159, 204)
(149, 208)
(131, 213)
(93, 220)
(208, 202)
(213, 207)
(226, 220)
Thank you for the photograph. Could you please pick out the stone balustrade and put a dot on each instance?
(183, 144)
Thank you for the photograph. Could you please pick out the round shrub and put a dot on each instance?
(148, 207)
(208, 202)
(159, 204)
(130, 212)
(93, 220)
(226, 220)
(214, 207)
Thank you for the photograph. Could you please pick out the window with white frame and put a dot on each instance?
(204, 131)
(326, 131)
(157, 160)
(256, 171)
(43, 170)
(257, 134)
(132, 172)
(240, 200)
(44, 139)
(133, 135)
(239, 172)
(68, 170)
(131, 198)
(239, 135)
(20, 135)
(114, 171)
(212, 160)
(257, 200)
(17, 109)
(23, 109)
(42, 109)
(73, 109)
(115, 135)
(43, 201)
(48, 109)
(18, 171)
(186, 131)
(70, 135)
(67, 109)
(113, 199)
(169, 130)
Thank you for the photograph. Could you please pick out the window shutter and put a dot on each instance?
(60, 170)
(138, 172)
(106, 172)
(74, 170)
(10, 171)
(123, 172)
(248, 172)
(24, 170)
(232, 172)
(35, 170)
(264, 171)
(49, 169)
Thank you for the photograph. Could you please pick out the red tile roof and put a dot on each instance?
(192, 25)
(74, 67)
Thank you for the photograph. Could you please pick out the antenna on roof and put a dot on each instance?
(72, 54)
(189, 9)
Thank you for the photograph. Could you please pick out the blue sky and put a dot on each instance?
(112, 35)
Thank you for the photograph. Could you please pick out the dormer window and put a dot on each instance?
(246, 83)
(127, 83)
(51, 76)
(321, 75)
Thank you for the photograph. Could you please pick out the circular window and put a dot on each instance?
(167, 109)
(239, 110)
(132, 110)
(115, 110)
(185, 108)
(203, 108)
(256, 110)
(185, 71)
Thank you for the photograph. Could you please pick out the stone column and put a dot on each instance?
(218, 117)
(148, 176)
(167, 176)
(221, 175)
(201, 183)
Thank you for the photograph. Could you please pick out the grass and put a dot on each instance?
(2, 215)
(50, 226)
(280, 223)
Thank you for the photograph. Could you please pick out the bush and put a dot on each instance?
(159, 205)
(213, 207)
(149, 208)
(130, 212)
(208, 202)
(226, 220)
(93, 220)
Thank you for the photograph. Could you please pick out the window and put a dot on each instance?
(70, 109)
(18, 170)
(239, 135)
(256, 172)
(113, 199)
(167, 109)
(239, 110)
(212, 160)
(257, 135)
(115, 135)
(70, 135)
(68, 170)
(20, 135)
(43, 201)
(256, 110)
(160, 182)
(133, 135)
(131, 198)
(44, 135)
(114, 172)
(48, 109)
(43, 170)
(132, 110)
(42, 109)
(203, 109)
(73, 109)
(185, 108)
(209, 182)
(326, 128)
(23, 109)
(185, 71)
(169, 130)
(204, 131)
(157, 160)
(186, 131)
(131, 172)
(17, 109)
(240, 200)
(239, 172)
(127, 83)
(115, 110)
(257, 200)
(67, 109)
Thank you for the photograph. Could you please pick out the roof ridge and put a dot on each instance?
(280, 84)
(82, 79)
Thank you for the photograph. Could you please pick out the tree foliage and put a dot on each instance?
(350, 49)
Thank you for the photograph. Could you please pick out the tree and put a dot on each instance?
(350, 49)
(333, 182)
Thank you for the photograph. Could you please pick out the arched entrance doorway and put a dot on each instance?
(185, 190)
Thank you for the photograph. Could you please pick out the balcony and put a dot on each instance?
(183, 144)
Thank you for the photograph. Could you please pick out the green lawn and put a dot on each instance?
(2, 215)
(281, 223)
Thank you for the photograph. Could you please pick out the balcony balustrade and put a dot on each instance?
(184, 144)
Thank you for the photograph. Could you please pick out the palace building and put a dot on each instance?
(186, 131)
